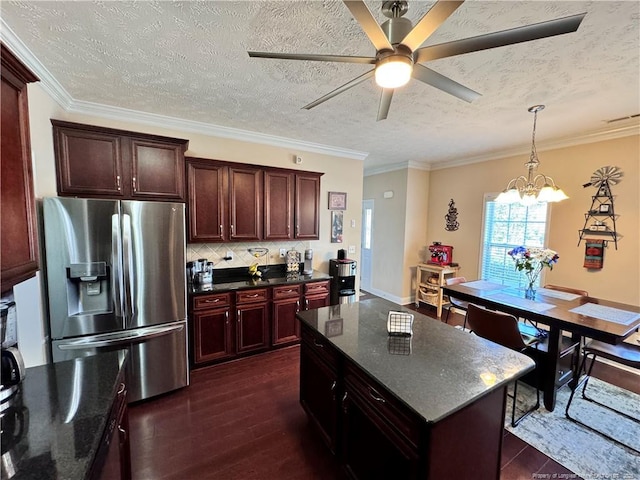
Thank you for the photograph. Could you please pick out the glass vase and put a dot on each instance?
(530, 292)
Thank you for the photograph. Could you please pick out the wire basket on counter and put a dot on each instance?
(399, 345)
(400, 324)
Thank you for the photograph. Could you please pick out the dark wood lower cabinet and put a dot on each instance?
(319, 392)
(370, 447)
(375, 435)
(212, 331)
(252, 331)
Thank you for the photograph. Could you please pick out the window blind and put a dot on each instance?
(507, 226)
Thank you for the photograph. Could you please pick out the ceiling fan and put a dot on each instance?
(398, 56)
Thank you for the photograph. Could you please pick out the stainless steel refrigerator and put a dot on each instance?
(116, 280)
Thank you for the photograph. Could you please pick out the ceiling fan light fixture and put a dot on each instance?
(394, 71)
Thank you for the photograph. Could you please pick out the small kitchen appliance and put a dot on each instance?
(440, 254)
(343, 280)
(308, 262)
(12, 365)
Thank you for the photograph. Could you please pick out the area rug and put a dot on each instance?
(584, 452)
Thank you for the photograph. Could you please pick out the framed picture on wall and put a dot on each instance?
(337, 201)
(336, 226)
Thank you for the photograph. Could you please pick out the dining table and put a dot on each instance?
(580, 316)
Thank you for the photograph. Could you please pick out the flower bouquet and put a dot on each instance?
(532, 260)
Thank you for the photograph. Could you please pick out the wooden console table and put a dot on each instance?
(431, 293)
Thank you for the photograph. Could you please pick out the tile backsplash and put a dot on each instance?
(215, 252)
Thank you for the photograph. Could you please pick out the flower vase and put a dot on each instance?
(530, 292)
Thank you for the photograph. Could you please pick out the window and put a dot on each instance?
(507, 226)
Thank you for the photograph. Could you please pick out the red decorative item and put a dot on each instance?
(440, 254)
(594, 253)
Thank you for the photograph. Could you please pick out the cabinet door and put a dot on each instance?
(318, 394)
(284, 324)
(157, 170)
(307, 207)
(245, 203)
(207, 202)
(370, 448)
(316, 301)
(89, 163)
(251, 328)
(212, 339)
(18, 247)
(278, 205)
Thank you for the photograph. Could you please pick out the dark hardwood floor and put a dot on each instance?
(242, 420)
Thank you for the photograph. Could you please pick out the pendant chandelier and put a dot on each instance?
(534, 187)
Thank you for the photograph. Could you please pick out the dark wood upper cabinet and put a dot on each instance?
(245, 203)
(307, 206)
(278, 205)
(207, 206)
(241, 202)
(19, 244)
(102, 162)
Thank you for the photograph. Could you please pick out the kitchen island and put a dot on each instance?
(427, 406)
(68, 421)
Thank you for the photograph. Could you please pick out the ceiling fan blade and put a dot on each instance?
(385, 103)
(313, 57)
(429, 23)
(428, 76)
(365, 18)
(499, 39)
(341, 89)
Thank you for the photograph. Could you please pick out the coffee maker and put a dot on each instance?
(308, 262)
(12, 364)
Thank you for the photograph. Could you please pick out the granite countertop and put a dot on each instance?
(239, 279)
(59, 416)
(436, 372)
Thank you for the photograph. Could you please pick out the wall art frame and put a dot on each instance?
(337, 200)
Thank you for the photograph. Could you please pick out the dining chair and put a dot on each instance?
(502, 328)
(456, 302)
(623, 354)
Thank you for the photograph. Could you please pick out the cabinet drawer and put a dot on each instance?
(380, 400)
(316, 288)
(320, 346)
(252, 296)
(290, 291)
(202, 302)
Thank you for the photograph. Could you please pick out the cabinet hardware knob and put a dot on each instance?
(121, 388)
(135, 189)
(226, 316)
(220, 229)
(297, 306)
(315, 342)
(333, 385)
(232, 229)
(123, 434)
(239, 315)
(118, 182)
(212, 300)
(255, 295)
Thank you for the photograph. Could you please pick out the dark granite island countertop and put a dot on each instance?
(445, 370)
(58, 418)
(430, 406)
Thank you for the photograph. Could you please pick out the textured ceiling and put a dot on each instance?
(188, 60)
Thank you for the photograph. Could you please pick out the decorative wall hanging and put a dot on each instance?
(600, 220)
(593, 253)
(337, 201)
(336, 227)
(452, 217)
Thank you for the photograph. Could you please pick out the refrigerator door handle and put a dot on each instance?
(116, 259)
(127, 266)
(110, 340)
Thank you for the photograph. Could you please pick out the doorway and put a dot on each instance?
(367, 245)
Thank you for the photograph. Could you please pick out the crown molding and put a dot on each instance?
(572, 141)
(392, 167)
(56, 91)
(162, 121)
